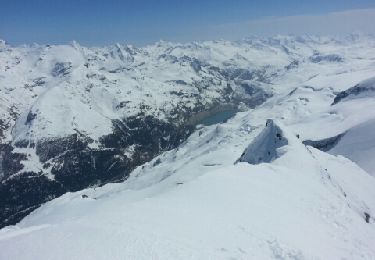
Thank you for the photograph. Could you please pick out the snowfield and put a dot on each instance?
(305, 205)
(199, 201)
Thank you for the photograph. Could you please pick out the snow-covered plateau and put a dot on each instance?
(262, 148)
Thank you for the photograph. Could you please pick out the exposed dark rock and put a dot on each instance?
(77, 169)
(52, 147)
(292, 65)
(196, 65)
(3, 127)
(354, 91)
(168, 57)
(324, 144)
(24, 144)
(30, 117)
(11, 161)
(326, 58)
(124, 54)
(40, 81)
(179, 82)
(150, 133)
(367, 217)
(61, 69)
(237, 73)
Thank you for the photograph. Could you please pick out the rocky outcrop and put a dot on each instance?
(325, 144)
(363, 89)
(264, 147)
(317, 58)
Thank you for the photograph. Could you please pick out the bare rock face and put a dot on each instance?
(264, 147)
(317, 58)
(364, 89)
(325, 144)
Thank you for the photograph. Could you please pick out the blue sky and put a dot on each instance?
(94, 22)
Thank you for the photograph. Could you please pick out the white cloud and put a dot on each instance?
(334, 23)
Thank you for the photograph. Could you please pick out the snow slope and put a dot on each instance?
(194, 202)
(352, 116)
(358, 145)
(304, 205)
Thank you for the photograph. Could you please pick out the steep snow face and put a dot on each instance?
(265, 147)
(358, 144)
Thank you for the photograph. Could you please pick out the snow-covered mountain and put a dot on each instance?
(183, 128)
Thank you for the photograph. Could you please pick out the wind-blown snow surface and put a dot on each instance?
(193, 202)
(304, 205)
(358, 145)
